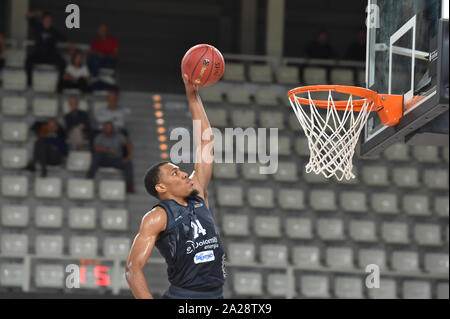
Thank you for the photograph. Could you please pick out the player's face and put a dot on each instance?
(177, 182)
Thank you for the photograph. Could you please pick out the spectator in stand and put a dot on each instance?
(108, 147)
(77, 125)
(2, 51)
(112, 114)
(46, 37)
(76, 75)
(320, 48)
(50, 148)
(104, 51)
(357, 50)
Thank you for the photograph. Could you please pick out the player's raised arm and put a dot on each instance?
(205, 151)
(152, 224)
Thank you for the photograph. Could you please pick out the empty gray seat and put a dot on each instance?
(395, 233)
(83, 246)
(291, 199)
(271, 119)
(234, 72)
(14, 79)
(238, 95)
(441, 206)
(260, 73)
(306, 256)
(299, 228)
(14, 244)
(49, 187)
(260, 197)
(49, 245)
(81, 189)
(416, 205)
(229, 196)
(287, 172)
(12, 274)
(225, 170)
(14, 105)
(267, 226)
(235, 225)
(277, 285)
(217, 117)
(330, 229)
(14, 158)
(294, 125)
(313, 178)
(387, 290)
(354, 202)
(314, 76)
(44, 107)
(384, 203)
(322, 200)
(426, 153)
(211, 94)
(442, 290)
(48, 217)
(301, 144)
(251, 171)
(14, 132)
(315, 286)
(114, 219)
(342, 76)
(243, 118)
(14, 186)
(372, 256)
(405, 261)
(348, 287)
(247, 283)
(266, 96)
(436, 179)
(375, 175)
(82, 218)
(15, 216)
(241, 253)
(406, 177)
(416, 289)
(427, 235)
(339, 257)
(284, 146)
(116, 247)
(436, 263)
(397, 152)
(112, 190)
(49, 276)
(363, 231)
(79, 161)
(287, 75)
(274, 254)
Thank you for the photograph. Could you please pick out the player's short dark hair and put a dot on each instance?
(151, 178)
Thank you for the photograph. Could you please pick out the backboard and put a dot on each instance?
(407, 53)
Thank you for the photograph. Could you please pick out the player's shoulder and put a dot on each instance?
(156, 217)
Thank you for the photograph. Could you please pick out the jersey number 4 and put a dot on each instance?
(198, 228)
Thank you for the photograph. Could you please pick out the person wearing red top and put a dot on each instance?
(104, 51)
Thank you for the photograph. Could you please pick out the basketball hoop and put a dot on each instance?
(332, 137)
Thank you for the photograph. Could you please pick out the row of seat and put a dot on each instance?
(45, 79)
(329, 200)
(52, 217)
(52, 188)
(251, 283)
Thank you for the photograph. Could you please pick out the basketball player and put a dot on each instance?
(181, 224)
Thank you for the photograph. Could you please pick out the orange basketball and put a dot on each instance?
(203, 64)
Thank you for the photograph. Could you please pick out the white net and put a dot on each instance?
(332, 136)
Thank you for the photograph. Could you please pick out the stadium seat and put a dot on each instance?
(248, 144)
(14, 79)
(243, 118)
(14, 105)
(277, 285)
(274, 254)
(291, 199)
(45, 107)
(116, 247)
(211, 94)
(384, 203)
(395, 233)
(436, 263)
(235, 225)
(375, 175)
(48, 217)
(49, 276)
(49, 245)
(78, 161)
(14, 158)
(427, 235)
(339, 257)
(241, 253)
(112, 190)
(267, 227)
(361, 78)
(426, 153)
(284, 146)
(299, 228)
(416, 289)
(387, 290)
(82, 105)
(287, 75)
(342, 76)
(441, 206)
(314, 76)
(217, 117)
(398, 152)
(322, 200)
(287, 172)
(225, 170)
(251, 172)
(363, 231)
(259, 197)
(271, 119)
(14, 186)
(80, 189)
(348, 287)
(14, 132)
(436, 179)
(83, 246)
(238, 95)
(442, 290)
(15, 216)
(266, 96)
(330, 229)
(354, 202)
(306, 256)
(114, 219)
(405, 261)
(260, 73)
(234, 72)
(301, 146)
(44, 80)
(406, 177)
(14, 244)
(372, 256)
(15, 58)
(247, 283)
(82, 217)
(229, 196)
(12, 274)
(294, 125)
(99, 105)
(314, 286)
(49, 187)
(313, 178)
(416, 205)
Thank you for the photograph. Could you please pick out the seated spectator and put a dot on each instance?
(77, 125)
(108, 152)
(320, 48)
(76, 75)
(2, 51)
(46, 37)
(357, 50)
(50, 148)
(104, 51)
(112, 114)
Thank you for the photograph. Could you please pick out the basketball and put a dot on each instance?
(203, 64)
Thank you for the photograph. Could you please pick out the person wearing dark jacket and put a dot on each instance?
(78, 125)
